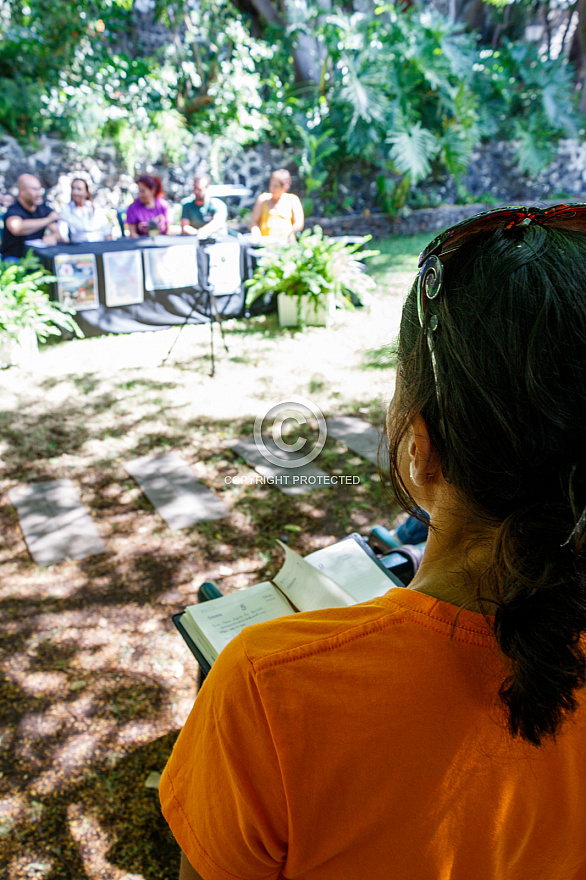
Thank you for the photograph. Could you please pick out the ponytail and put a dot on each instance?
(540, 584)
(505, 404)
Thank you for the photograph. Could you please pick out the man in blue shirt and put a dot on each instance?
(203, 215)
(28, 218)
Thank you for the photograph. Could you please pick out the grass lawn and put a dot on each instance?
(95, 681)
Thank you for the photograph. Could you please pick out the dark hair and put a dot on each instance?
(152, 182)
(87, 189)
(506, 413)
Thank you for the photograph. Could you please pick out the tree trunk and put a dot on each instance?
(308, 53)
(581, 35)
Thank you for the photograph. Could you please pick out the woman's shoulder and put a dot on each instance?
(162, 204)
(135, 209)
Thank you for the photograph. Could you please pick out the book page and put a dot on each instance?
(219, 620)
(352, 569)
(307, 587)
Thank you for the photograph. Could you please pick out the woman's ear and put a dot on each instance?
(424, 463)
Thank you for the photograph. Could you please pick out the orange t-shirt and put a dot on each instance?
(368, 743)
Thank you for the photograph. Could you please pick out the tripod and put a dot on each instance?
(210, 308)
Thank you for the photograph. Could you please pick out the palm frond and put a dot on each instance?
(534, 151)
(412, 150)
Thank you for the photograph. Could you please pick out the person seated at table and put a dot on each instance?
(149, 213)
(203, 215)
(277, 213)
(85, 222)
(29, 217)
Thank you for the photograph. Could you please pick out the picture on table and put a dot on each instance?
(77, 281)
(170, 268)
(123, 278)
(224, 274)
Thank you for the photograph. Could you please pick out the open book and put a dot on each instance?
(342, 574)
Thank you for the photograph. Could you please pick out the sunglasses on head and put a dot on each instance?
(429, 283)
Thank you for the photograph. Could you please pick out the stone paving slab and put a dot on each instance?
(291, 481)
(55, 524)
(171, 487)
(358, 435)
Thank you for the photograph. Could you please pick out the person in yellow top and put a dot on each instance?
(277, 213)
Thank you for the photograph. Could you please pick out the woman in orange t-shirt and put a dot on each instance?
(438, 732)
(277, 214)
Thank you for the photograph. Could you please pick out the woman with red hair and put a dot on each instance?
(149, 213)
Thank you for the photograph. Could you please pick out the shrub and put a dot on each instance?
(314, 266)
(24, 303)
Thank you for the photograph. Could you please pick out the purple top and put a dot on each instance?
(141, 216)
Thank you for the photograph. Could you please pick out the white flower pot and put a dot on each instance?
(292, 307)
(19, 352)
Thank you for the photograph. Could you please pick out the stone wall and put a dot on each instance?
(492, 175)
(380, 226)
(56, 163)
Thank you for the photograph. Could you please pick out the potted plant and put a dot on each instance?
(311, 277)
(26, 312)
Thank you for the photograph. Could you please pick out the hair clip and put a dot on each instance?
(429, 285)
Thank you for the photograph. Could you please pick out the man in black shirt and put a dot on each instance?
(27, 218)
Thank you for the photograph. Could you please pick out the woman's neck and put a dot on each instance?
(457, 553)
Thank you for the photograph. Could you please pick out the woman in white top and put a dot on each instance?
(85, 222)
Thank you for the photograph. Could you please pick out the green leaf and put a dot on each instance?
(412, 151)
(24, 302)
(533, 153)
(312, 266)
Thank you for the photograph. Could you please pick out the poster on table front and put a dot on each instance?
(77, 281)
(123, 278)
(169, 268)
(224, 272)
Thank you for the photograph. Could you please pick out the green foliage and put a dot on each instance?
(79, 75)
(20, 107)
(526, 97)
(413, 94)
(395, 93)
(393, 190)
(405, 90)
(313, 161)
(412, 150)
(220, 70)
(314, 266)
(25, 303)
(397, 79)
